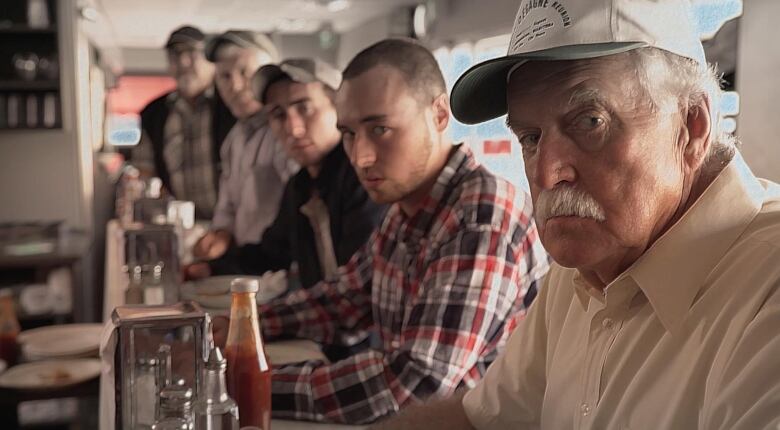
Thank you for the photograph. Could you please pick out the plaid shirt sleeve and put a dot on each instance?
(321, 312)
(470, 289)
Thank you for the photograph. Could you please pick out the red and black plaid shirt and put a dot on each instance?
(443, 289)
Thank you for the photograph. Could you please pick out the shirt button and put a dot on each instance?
(607, 323)
(585, 409)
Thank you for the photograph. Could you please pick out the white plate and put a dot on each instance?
(214, 292)
(282, 352)
(50, 374)
(60, 341)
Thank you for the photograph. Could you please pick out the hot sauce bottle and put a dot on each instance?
(248, 370)
(9, 328)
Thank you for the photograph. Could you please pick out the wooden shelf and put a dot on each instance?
(26, 29)
(66, 252)
(20, 85)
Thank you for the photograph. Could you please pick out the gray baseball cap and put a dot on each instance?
(244, 39)
(573, 30)
(303, 70)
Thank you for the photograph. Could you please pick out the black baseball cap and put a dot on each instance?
(185, 34)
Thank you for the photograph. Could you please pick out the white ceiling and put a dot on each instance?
(147, 23)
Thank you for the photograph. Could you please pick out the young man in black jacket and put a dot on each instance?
(325, 214)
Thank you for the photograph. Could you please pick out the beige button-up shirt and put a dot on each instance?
(687, 338)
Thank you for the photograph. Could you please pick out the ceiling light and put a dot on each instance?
(298, 25)
(419, 21)
(338, 5)
(89, 13)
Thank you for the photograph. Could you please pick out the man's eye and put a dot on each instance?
(589, 122)
(379, 130)
(347, 137)
(277, 115)
(304, 108)
(529, 140)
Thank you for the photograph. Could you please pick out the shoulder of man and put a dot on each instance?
(482, 199)
(156, 105)
(765, 227)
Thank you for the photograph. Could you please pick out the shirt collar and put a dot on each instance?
(328, 172)
(255, 122)
(205, 97)
(674, 269)
(460, 162)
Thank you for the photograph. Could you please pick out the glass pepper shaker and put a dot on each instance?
(215, 410)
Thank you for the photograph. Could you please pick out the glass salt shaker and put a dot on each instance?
(175, 409)
(145, 391)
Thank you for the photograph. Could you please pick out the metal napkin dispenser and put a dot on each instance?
(155, 249)
(143, 331)
(149, 244)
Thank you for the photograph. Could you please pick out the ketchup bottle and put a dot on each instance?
(9, 328)
(248, 370)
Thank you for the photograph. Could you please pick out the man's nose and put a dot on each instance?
(294, 125)
(553, 162)
(237, 83)
(184, 61)
(363, 152)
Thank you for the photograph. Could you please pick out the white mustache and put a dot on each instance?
(566, 200)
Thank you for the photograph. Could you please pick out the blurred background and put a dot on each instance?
(74, 75)
(109, 62)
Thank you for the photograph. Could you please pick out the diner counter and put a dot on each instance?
(279, 352)
(305, 425)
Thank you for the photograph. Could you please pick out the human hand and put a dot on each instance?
(196, 271)
(212, 245)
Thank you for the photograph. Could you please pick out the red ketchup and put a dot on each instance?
(248, 370)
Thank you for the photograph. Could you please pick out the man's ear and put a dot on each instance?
(698, 126)
(441, 112)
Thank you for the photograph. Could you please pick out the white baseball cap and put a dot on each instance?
(572, 30)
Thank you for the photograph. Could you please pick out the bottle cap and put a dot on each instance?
(244, 285)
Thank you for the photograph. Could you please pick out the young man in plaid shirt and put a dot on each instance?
(444, 278)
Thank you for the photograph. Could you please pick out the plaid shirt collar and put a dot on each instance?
(414, 228)
(205, 97)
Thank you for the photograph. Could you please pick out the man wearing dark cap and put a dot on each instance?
(325, 213)
(663, 308)
(255, 167)
(182, 130)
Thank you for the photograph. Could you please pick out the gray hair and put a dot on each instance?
(689, 82)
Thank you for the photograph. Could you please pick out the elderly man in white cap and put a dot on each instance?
(663, 310)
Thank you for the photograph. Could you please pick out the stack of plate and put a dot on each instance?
(41, 375)
(61, 341)
(214, 292)
(58, 357)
